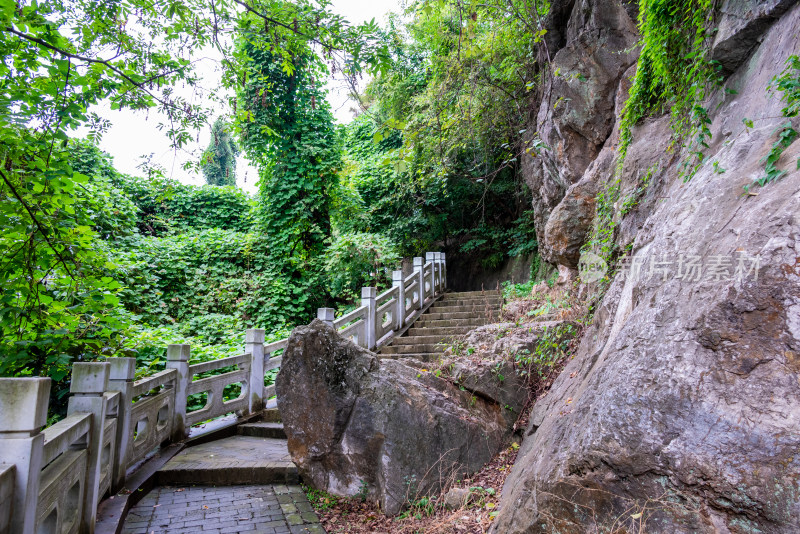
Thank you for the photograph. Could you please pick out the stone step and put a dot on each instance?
(421, 340)
(469, 302)
(457, 319)
(262, 430)
(421, 356)
(231, 461)
(442, 331)
(271, 415)
(424, 322)
(479, 315)
(478, 308)
(491, 293)
(412, 349)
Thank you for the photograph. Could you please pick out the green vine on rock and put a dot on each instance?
(788, 82)
(673, 71)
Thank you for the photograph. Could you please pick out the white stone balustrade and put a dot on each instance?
(7, 478)
(51, 480)
(152, 418)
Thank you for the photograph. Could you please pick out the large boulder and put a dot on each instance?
(680, 411)
(357, 424)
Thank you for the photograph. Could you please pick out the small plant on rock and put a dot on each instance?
(363, 491)
(788, 82)
(419, 508)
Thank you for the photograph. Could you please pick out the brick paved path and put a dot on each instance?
(207, 509)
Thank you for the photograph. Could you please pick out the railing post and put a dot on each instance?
(437, 285)
(254, 344)
(23, 413)
(88, 384)
(368, 295)
(400, 309)
(443, 265)
(120, 378)
(431, 257)
(419, 269)
(178, 359)
(437, 259)
(326, 315)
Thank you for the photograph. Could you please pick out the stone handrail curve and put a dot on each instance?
(213, 365)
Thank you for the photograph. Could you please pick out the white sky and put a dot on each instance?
(136, 134)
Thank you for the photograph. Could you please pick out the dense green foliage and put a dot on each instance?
(97, 263)
(673, 73)
(290, 135)
(60, 296)
(287, 131)
(219, 159)
(461, 86)
(435, 159)
(164, 206)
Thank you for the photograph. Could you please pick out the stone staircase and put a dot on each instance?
(270, 426)
(452, 315)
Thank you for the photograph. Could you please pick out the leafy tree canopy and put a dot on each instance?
(60, 204)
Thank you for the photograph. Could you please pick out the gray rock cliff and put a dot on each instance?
(680, 411)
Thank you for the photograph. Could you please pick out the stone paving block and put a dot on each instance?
(289, 508)
(294, 519)
(304, 506)
(285, 498)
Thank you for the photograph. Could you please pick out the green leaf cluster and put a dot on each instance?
(673, 73)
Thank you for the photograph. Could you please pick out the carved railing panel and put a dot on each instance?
(214, 387)
(151, 414)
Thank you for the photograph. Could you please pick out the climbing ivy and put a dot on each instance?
(788, 83)
(674, 72)
(166, 206)
(287, 131)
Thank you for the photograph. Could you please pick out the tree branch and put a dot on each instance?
(140, 85)
(36, 221)
(257, 13)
